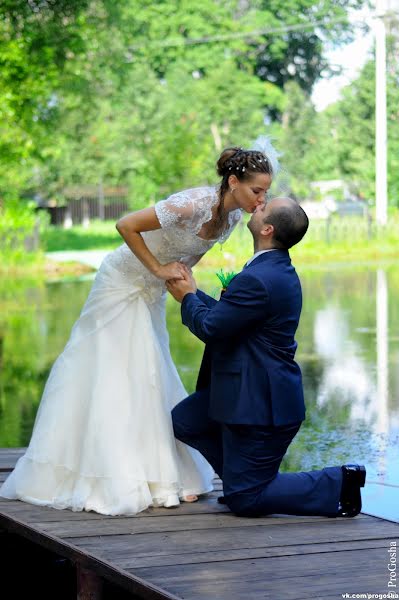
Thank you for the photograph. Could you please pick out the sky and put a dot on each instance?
(351, 58)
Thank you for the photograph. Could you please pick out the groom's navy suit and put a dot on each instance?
(249, 400)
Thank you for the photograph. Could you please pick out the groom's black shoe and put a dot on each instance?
(353, 478)
(222, 500)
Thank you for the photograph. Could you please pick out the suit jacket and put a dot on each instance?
(249, 359)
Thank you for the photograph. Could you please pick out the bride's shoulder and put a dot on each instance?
(192, 202)
(203, 193)
(189, 208)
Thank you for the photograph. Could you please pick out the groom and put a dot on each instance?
(249, 402)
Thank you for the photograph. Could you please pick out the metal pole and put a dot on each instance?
(101, 200)
(380, 115)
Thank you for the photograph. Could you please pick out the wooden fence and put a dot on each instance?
(84, 203)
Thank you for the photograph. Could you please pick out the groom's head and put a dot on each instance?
(279, 223)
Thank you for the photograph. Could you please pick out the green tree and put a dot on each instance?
(98, 90)
(297, 54)
(352, 123)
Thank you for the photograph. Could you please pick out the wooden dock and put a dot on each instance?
(195, 552)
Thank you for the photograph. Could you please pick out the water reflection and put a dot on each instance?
(349, 373)
(382, 351)
(348, 348)
(351, 382)
(345, 376)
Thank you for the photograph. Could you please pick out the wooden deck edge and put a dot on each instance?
(390, 519)
(130, 582)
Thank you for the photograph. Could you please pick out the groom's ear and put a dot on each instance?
(267, 229)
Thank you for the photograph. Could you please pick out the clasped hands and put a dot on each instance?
(179, 280)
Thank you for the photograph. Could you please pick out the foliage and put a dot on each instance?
(97, 90)
(351, 122)
(298, 54)
(339, 143)
(304, 160)
(352, 240)
(36, 39)
(19, 234)
(349, 243)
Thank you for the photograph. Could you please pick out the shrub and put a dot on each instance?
(19, 234)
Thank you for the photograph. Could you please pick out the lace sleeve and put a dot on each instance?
(188, 210)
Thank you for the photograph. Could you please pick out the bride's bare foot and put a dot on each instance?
(191, 498)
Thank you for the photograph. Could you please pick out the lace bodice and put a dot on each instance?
(181, 216)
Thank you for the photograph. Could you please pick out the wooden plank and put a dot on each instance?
(206, 505)
(234, 538)
(291, 578)
(30, 512)
(9, 457)
(126, 526)
(116, 526)
(127, 562)
(99, 566)
(201, 551)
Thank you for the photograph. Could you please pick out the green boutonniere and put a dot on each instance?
(225, 278)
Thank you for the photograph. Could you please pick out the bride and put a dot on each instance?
(103, 438)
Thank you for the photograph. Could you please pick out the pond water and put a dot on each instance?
(348, 349)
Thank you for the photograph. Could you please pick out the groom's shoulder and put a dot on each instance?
(249, 279)
(268, 271)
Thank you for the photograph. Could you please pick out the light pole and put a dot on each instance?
(380, 115)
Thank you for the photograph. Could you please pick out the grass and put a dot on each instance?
(100, 235)
(345, 240)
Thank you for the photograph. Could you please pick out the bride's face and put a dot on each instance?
(250, 194)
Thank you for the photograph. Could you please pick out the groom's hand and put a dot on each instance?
(180, 287)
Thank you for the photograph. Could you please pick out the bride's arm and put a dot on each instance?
(191, 261)
(130, 228)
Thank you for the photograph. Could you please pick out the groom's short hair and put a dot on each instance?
(290, 223)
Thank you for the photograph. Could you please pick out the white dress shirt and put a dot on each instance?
(258, 254)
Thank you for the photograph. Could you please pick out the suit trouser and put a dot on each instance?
(247, 459)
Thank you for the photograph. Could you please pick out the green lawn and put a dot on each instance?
(345, 240)
(100, 235)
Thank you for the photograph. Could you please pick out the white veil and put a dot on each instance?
(264, 144)
(280, 185)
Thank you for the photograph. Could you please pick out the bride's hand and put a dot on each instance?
(173, 270)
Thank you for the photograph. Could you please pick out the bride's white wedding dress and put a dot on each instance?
(103, 437)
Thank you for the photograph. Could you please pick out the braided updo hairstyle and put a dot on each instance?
(241, 163)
